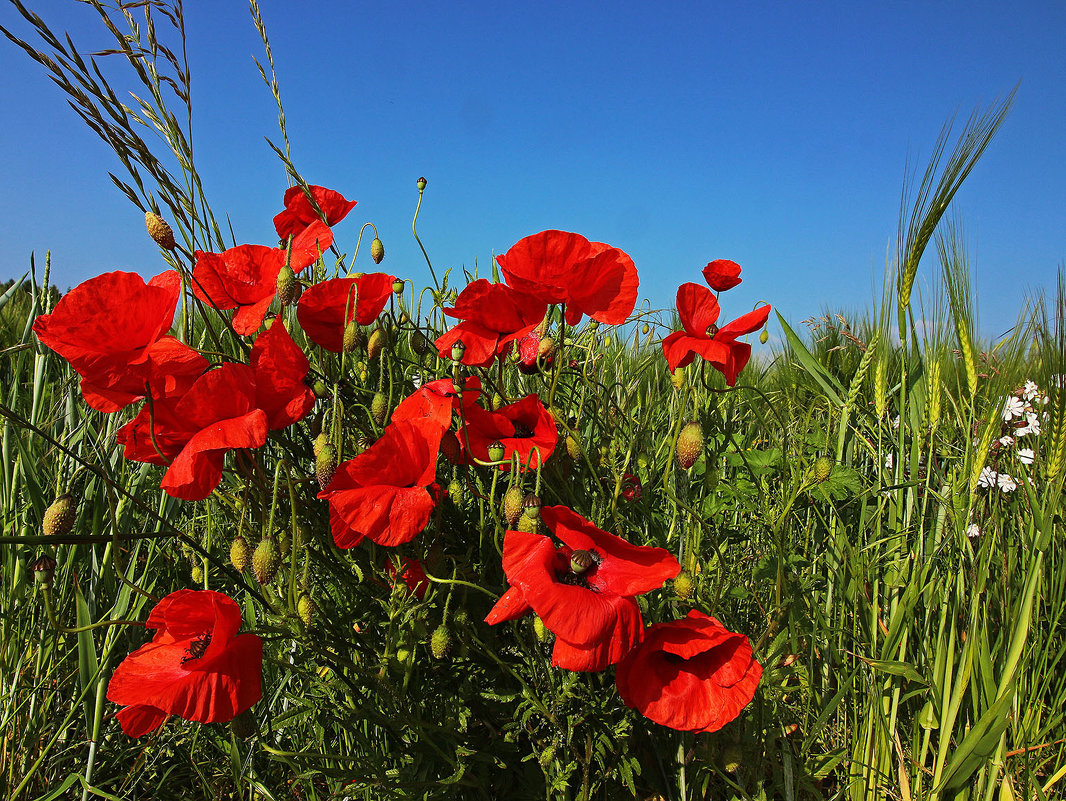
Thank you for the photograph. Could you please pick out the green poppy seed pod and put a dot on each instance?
(286, 286)
(644, 329)
(455, 492)
(266, 559)
(197, 573)
(351, 337)
(397, 286)
(581, 561)
(458, 349)
(44, 570)
(326, 464)
(379, 408)
(531, 506)
(689, 444)
(764, 337)
(320, 441)
(59, 517)
(421, 183)
(684, 585)
(419, 343)
(377, 250)
(240, 554)
(823, 467)
(159, 230)
(512, 505)
(496, 451)
(573, 447)
(540, 629)
(306, 609)
(377, 343)
(243, 726)
(440, 643)
(320, 389)
(497, 401)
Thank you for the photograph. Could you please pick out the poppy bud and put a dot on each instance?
(497, 401)
(677, 378)
(306, 609)
(320, 389)
(421, 183)
(379, 407)
(243, 726)
(440, 643)
(455, 492)
(197, 573)
(528, 524)
(531, 506)
(512, 505)
(266, 559)
(540, 629)
(689, 444)
(573, 447)
(320, 441)
(547, 756)
(546, 349)
(644, 329)
(419, 343)
(352, 337)
(59, 516)
(286, 286)
(397, 286)
(684, 585)
(449, 446)
(239, 555)
(44, 570)
(159, 230)
(377, 342)
(377, 250)
(823, 466)
(458, 349)
(496, 451)
(581, 561)
(764, 337)
(326, 464)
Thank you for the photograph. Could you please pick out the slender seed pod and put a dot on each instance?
(881, 384)
(932, 392)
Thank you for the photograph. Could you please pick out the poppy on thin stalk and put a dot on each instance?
(525, 428)
(300, 213)
(321, 311)
(196, 667)
(491, 317)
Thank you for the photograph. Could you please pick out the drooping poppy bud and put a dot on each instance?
(512, 505)
(440, 643)
(352, 337)
(377, 342)
(239, 553)
(379, 407)
(266, 559)
(764, 337)
(689, 444)
(326, 464)
(823, 466)
(59, 516)
(306, 609)
(159, 230)
(287, 286)
(377, 250)
(684, 585)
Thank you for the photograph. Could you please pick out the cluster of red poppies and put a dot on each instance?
(689, 674)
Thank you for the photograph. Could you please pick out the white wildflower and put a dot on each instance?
(1032, 425)
(1007, 441)
(1030, 390)
(987, 478)
(1006, 483)
(1026, 455)
(973, 531)
(889, 461)
(1012, 407)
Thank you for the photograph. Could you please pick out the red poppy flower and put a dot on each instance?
(525, 428)
(722, 274)
(493, 316)
(584, 591)
(691, 674)
(698, 309)
(589, 277)
(437, 401)
(196, 667)
(321, 308)
(388, 491)
(192, 433)
(299, 213)
(245, 278)
(280, 368)
(413, 575)
(632, 489)
(112, 330)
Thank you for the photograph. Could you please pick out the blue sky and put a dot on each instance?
(774, 134)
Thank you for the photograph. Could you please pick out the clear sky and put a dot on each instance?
(774, 134)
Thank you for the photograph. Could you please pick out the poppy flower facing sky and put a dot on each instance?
(245, 278)
(584, 591)
(698, 309)
(299, 213)
(112, 329)
(691, 674)
(196, 667)
(560, 267)
(437, 401)
(722, 274)
(492, 317)
(388, 491)
(525, 428)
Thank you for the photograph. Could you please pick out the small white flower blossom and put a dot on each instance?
(1030, 390)
(1012, 407)
(1007, 441)
(895, 423)
(1006, 483)
(889, 461)
(1026, 455)
(973, 531)
(987, 478)
(1032, 426)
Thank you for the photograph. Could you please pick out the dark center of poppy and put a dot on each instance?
(197, 649)
(522, 431)
(581, 562)
(712, 329)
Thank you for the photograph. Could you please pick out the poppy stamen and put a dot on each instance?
(522, 431)
(712, 330)
(197, 649)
